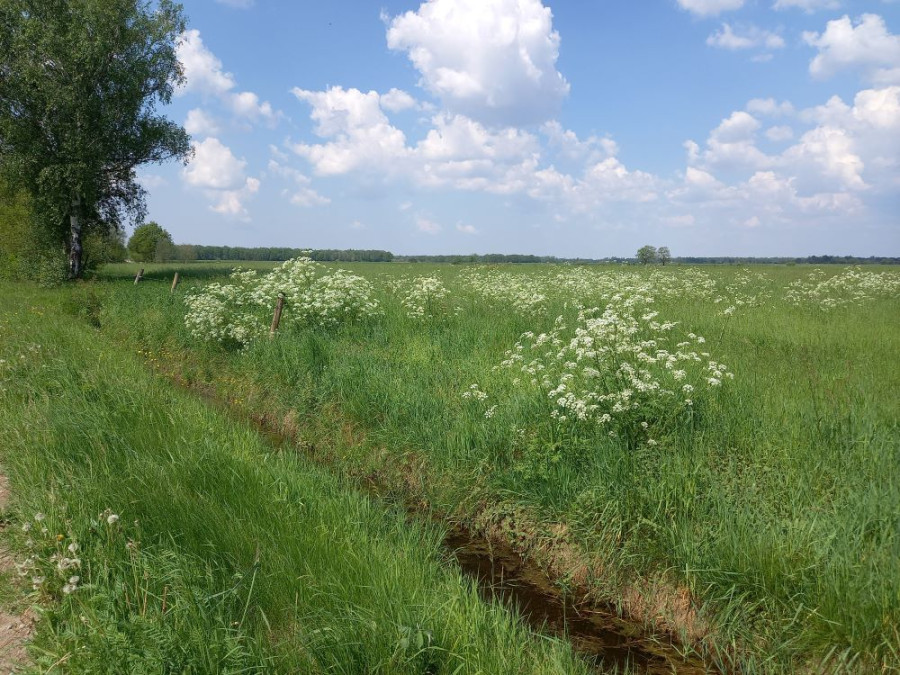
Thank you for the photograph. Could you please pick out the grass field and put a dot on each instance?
(715, 450)
(157, 535)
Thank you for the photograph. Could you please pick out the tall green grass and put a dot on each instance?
(227, 555)
(779, 509)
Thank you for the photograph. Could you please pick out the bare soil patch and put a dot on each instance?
(15, 627)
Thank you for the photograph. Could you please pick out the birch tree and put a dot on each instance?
(80, 83)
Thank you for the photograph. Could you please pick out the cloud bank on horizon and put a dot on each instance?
(475, 155)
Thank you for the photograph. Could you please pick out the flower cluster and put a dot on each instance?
(474, 392)
(421, 297)
(620, 369)
(226, 313)
(53, 562)
(516, 292)
(850, 287)
(238, 312)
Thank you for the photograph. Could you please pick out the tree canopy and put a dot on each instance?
(646, 254)
(147, 241)
(79, 84)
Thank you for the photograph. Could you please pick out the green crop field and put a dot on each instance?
(714, 451)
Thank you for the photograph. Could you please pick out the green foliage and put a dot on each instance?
(150, 243)
(664, 255)
(15, 228)
(81, 82)
(178, 541)
(775, 500)
(647, 254)
(29, 252)
(102, 247)
(279, 254)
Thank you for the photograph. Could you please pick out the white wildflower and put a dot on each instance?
(71, 586)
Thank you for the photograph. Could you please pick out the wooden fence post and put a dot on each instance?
(139, 276)
(174, 284)
(276, 318)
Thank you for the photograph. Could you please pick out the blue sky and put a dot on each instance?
(714, 127)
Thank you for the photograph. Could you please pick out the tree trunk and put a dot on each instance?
(75, 249)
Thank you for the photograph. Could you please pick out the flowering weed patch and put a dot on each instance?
(238, 312)
(421, 297)
(618, 369)
(850, 287)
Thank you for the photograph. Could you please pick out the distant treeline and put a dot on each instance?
(277, 253)
(686, 260)
(808, 260)
(492, 258)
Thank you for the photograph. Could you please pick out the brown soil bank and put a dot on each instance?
(15, 628)
(595, 631)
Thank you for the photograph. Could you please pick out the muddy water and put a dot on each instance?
(597, 633)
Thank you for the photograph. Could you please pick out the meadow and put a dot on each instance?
(712, 450)
(154, 534)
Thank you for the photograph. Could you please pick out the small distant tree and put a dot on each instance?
(147, 240)
(664, 255)
(647, 254)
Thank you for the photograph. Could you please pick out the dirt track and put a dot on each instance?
(15, 629)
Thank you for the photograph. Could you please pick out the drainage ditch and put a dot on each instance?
(596, 632)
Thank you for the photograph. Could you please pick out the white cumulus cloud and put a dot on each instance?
(427, 226)
(836, 155)
(214, 166)
(770, 107)
(301, 193)
(779, 133)
(200, 123)
(202, 69)
(808, 6)
(231, 202)
(215, 170)
(361, 136)
(246, 104)
(710, 7)
(396, 100)
(732, 144)
(491, 60)
(865, 45)
(747, 37)
(204, 75)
